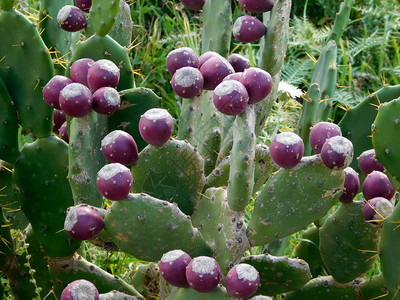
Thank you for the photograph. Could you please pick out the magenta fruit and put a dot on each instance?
(258, 84)
(377, 209)
(257, 6)
(287, 149)
(206, 56)
(114, 181)
(52, 89)
(187, 82)
(156, 126)
(322, 131)
(193, 4)
(119, 147)
(84, 5)
(203, 274)
(337, 152)
(351, 185)
(79, 290)
(83, 222)
(368, 162)
(182, 57)
(242, 281)
(59, 119)
(235, 76)
(377, 184)
(173, 267)
(71, 18)
(239, 62)
(79, 70)
(248, 29)
(106, 100)
(63, 133)
(103, 73)
(230, 97)
(76, 100)
(214, 70)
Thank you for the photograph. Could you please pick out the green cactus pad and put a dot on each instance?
(173, 172)
(40, 178)
(221, 227)
(375, 288)
(146, 280)
(122, 30)
(263, 166)
(324, 287)
(348, 243)
(279, 274)
(104, 47)
(26, 67)
(134, 103)
(219, 293)
(291, 199)
(85, 157)
(6, 242)
(7, 4)
(103, 15)
(147, 228)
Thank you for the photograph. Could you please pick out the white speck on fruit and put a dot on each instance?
(110, 170)
(246, 272)
(64, 13)
(287, 138)
(186, 76)
(71, 219)
(83, 290)
(111, 137)
(227, 87)
(108, 65)
(112, 96)
(172, 256)
(155, 114)
(73, 90)
(203, 265)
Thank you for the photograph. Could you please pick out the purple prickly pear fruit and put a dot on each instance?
(103, 73)
(242, 281)
(287, 149)
(368, 162)
(322, 131)
(182, 57)
(52, 89)
(63, 133)
(106, 100)
(119, 147)
(248, 29)
(337, 152)
(76, 100)
(187, 82)
(351, 185)
(59, 119)
(257, 6)
(156, 126)
(84, 5)
(239, 62)
(173, 267)
(377, 209)
(79, 290)
(377, 184)
(258, 84)
(114, 181)
(193, 4)
(71, 18)
(206, 56)
(83, 222)
(235, 76)
(203, 274)
(214, 70)
(230, 97)
(79, 70)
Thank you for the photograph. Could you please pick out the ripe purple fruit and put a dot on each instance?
(206, 56)
(234, 76)
(76, 100)
(114, 181)
(52, 89)
(322, 131)
(79, 70)
(242, 281)
(377, 184)
(377, 209)
(71, 18)
(106, 100)
(214, 70)
(80, 289)
(248, 29)
(182, 57)
(351, 185)
(103, 73)
(83, 222)
(59, 119)
(193, 4)
(187, 82)
(84, 5)
(257, 6)
(156, 126)
(337, 152)
(368, 162)
(287, 149)
(173, 267)
(258, 84)
(203, 274)
(119, 147)
(230, 97)
(239, 62)
(63, 133)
